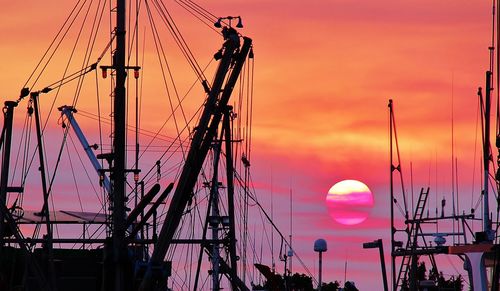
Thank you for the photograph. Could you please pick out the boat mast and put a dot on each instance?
(118, 197)
(218, 97)
(226, 123)
(45, 208)
(5, 142)
(486, 159)
(215, 215)
(392, 168)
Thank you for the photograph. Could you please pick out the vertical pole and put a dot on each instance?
(393, 258)
(413, 269)
(45, 208)
(8, 112)
(290, 252)
(215, 216)
(320, 270)
(345, 271)
(382, 262)
(285, 275)
(119, 136)
(486, 158)
(230, 193)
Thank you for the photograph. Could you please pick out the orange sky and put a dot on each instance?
(325, 70)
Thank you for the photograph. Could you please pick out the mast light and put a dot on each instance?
(218, 23)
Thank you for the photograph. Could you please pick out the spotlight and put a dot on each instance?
(218, 23)
(218, 55)
(239, 24)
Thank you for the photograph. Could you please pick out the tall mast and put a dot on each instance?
(118, 196)
(215, 214)
(218, 97)
(6, 138)
(393, 247)
(486, 159)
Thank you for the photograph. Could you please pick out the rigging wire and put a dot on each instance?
(198, 111)
(74, 178)
(478, 116)
(24, 142)
(99, 128)
(52, 107)
(252, 196)
(84, 72)
(74, 100)
(180, 41)
(108, 121)
(65, 79)
(53, 43)
(163, 60)
(90, 45)
(77, 152)
(196, 8)
(199, 13)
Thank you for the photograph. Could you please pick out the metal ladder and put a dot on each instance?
(411, 243)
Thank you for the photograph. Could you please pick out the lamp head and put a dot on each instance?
(218, 23)
(239, 24)
(320, 245)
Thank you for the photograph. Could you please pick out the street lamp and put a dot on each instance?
(378, 244)
(320, 247)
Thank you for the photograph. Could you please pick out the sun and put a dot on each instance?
(349, 202)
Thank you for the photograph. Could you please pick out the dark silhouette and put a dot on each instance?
(300, 282)
(435, 279)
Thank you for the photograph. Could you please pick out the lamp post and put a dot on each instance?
(320, 247)
(378, 244)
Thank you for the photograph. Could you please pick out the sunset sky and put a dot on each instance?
(324, 73)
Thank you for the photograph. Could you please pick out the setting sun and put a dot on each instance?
(349, 202)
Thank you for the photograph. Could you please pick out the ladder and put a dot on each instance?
(411, 243)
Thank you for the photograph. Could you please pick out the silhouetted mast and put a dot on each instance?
(118, 196)
(233, 56)
(486, 158)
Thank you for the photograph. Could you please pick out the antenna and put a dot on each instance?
(273, 263)
(345, 269)
(290, 251)
(320, 247)
(411, 187)
(453, 181)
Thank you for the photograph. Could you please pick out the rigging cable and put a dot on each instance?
(398, 167)
(257, 203)
(162, 59)
(99, 128)
(478, 116)
(24, 143)
(199, 13)
(181, 43)
(75, 98)
(53, 43)
(74, 177)
(90, 44)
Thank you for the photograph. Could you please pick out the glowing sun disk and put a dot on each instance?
(349, 202)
